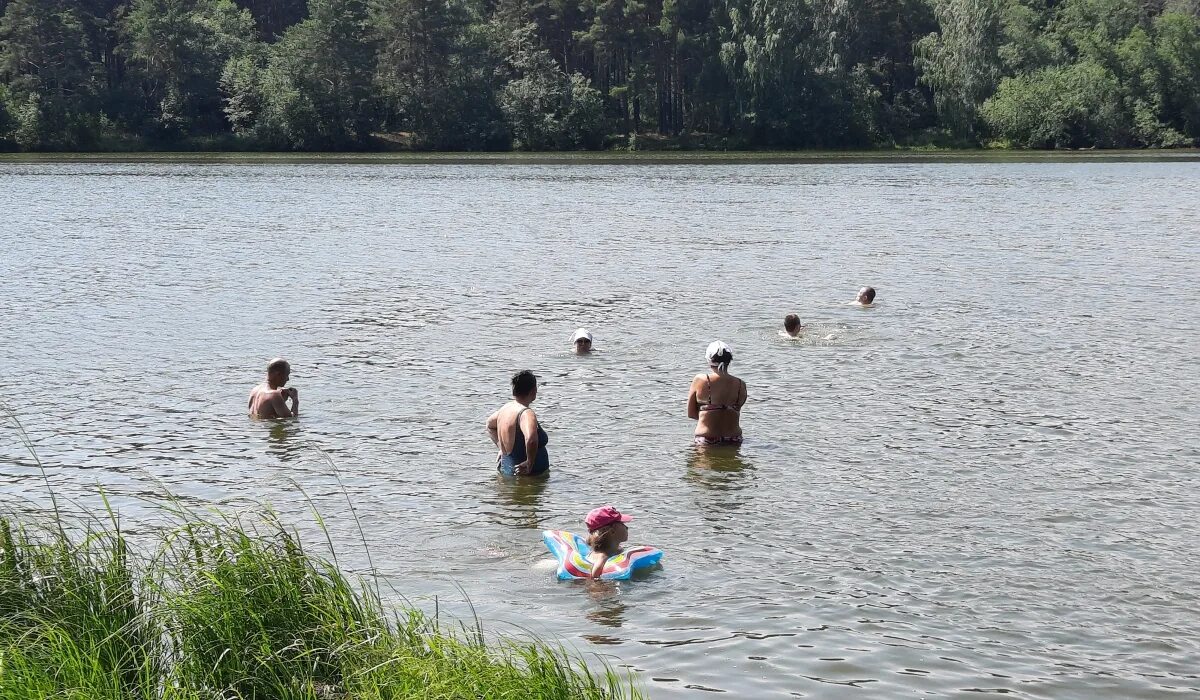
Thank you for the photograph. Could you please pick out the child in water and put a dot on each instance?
(791, 325)
(606, 531)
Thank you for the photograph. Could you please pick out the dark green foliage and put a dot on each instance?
(1114, 80)
(6, 121)
(273, 17)
(575, 74)
(176, 52)
(547, 109)
(1073, 106)
(316, 89)
(436, 74)
(51, 81)
(961, 63)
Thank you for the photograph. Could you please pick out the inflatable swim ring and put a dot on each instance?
(572, 551)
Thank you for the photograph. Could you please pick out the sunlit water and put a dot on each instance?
(986, 483)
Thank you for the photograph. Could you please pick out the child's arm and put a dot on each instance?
(598, 567)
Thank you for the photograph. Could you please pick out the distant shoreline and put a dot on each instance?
(698, 157)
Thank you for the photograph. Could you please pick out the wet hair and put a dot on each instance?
(523, 382)
(791, 322)
(278, 365)
(604, 539)
(870, 292)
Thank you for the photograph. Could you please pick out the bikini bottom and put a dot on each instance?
(709, 441)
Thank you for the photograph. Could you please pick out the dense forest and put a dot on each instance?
(586, 74)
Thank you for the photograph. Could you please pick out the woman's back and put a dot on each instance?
(516, 431)
(719, 397)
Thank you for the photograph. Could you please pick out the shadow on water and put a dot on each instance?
(283, 439)
(609, 610)
(519, 501)
(719, 468)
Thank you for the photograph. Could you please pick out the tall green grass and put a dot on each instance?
(215, 608)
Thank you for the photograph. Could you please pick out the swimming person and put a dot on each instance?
(606, 531)
(269, 399)
(582, 341)
(866, 296)
(715, 400)
(516, 431)
(791, 325)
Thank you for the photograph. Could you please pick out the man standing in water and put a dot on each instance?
(269, 399)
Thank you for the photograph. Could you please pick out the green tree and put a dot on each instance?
(791, 87)
(545, 108)
(436, 75)
(1074, 106)
(6, 121)
(274, 17)
(242, 88)
(1178, 51)
(52, 81)
(1027, 43)
(961, 62)
(177, 51)
(315, 90)
(1092, 29)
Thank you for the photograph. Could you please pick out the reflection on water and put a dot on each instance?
(719, 467)
(520, 501)
(283, 439)
(608, 610)
(981, 484)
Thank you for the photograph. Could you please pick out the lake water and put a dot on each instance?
(986, 483)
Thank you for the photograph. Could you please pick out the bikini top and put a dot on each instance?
(709, 406)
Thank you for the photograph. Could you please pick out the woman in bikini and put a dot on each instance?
(715, 400)
(516, 431)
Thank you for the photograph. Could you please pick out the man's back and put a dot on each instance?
(266, 402)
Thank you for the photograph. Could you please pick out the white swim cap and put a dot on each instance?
(716, 349)
(581, 333)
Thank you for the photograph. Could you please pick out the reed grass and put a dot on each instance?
(217, 609)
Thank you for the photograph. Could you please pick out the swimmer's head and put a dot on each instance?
(866, 295)
(524, 385)
(278, 372)
(719, 356)
(582, 341)
(791, 324)
(606, 528)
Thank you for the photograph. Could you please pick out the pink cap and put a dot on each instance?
(604, 515)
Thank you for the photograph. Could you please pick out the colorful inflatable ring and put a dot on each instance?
(572, 551)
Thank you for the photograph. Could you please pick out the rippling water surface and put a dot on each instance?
(986, 483)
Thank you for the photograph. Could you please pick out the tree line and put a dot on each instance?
(589, 74)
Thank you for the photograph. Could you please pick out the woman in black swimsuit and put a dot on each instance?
(516, 431)
(715, 400)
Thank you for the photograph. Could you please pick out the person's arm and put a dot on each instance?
(279, 404)
(742, 395)
(493, 428)
(693, 403)
(598, 567)
(295, 394)
(529, 426)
